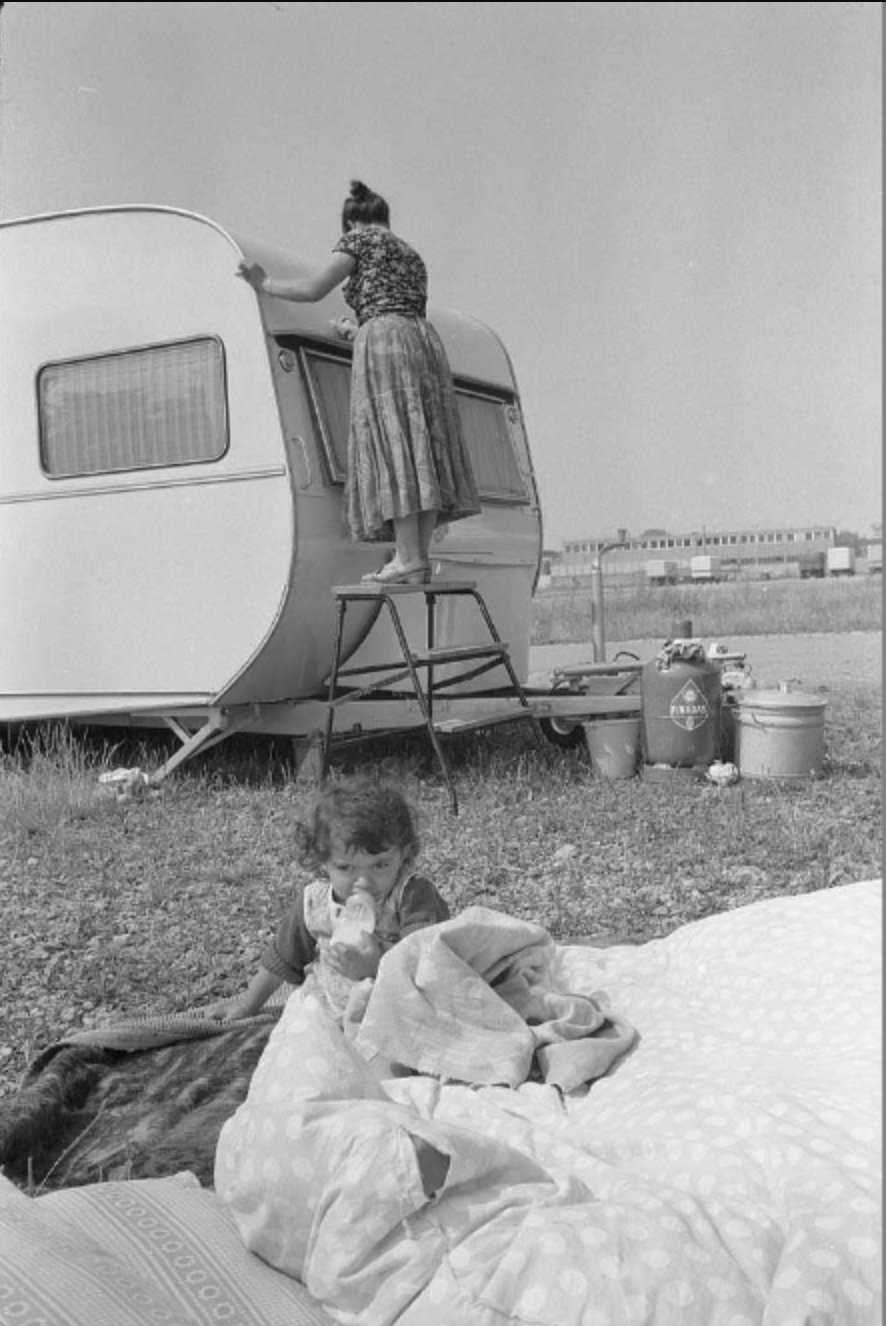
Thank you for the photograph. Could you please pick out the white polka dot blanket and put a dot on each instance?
(725, 1172)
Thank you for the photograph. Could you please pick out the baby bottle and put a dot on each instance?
(356, 921)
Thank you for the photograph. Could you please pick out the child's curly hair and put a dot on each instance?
(359, 814)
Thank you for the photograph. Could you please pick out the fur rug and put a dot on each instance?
(87, 1113)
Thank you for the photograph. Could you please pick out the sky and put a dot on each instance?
(670, 213)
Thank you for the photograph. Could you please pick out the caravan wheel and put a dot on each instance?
(559, 731)
(565, 735)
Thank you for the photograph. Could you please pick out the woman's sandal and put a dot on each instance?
(392, 573)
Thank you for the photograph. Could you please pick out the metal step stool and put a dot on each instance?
(481, 658)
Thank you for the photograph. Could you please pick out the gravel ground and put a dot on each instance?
(813, 661)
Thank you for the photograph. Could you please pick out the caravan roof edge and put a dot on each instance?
(120, 207)
(461, 332)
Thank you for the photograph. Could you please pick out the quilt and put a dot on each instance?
(474, 999)
(725, 1172)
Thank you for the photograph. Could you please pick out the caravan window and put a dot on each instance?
(160, 405)
(490, 422)
(329, 382)
(487, 423)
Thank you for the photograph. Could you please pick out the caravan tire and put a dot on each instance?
(565, 735)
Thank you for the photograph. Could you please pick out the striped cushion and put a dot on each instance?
(163, 1251)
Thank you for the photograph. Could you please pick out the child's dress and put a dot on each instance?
(304, 935)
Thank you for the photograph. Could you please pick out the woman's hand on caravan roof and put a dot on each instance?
(302, 289)
(253, 273)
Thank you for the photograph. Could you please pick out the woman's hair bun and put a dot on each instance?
(364, 207)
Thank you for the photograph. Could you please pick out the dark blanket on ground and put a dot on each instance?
(90, 1110)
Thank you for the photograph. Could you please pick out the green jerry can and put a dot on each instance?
(681, 694)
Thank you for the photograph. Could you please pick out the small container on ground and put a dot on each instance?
(614, 746)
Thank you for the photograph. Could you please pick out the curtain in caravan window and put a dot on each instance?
(330, 385)
(485, 425)
(162, 405)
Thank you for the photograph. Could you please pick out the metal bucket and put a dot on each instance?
(613, 745)
(779, 734)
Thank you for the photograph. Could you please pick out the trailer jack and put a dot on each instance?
(219, 725)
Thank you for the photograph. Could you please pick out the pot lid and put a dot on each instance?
(779, 699)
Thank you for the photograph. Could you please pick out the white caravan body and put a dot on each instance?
(171, 476)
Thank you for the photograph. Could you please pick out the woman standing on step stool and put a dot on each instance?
(408, 464)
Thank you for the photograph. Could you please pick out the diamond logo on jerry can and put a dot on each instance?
(689, 707)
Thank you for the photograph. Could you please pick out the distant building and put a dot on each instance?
(770, 550)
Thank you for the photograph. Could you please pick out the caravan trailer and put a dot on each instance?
(171, 516)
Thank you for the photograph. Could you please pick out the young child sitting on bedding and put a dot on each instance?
(362, 839)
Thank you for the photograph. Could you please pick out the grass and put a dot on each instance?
(115, 908)
(737, 608)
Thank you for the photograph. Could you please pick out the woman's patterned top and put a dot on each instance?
(390, 277)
